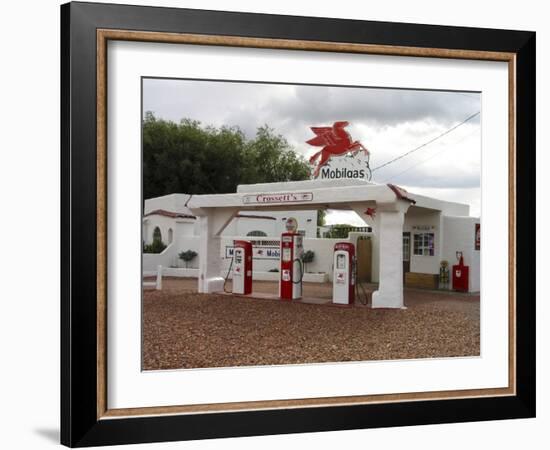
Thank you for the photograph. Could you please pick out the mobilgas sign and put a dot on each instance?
(327, 172)
(348, 166)
(284, 197)
(339, 155)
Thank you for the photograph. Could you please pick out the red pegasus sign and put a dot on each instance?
(336, 141)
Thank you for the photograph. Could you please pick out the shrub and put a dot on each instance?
(307, 257)
(338, 231)
(154, 248)
(187, 256)
(157, 246)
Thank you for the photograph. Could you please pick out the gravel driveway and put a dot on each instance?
(184, 329)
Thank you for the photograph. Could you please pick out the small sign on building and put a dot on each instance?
(478, 237)
(257, 252)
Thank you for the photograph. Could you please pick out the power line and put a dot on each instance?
(471, 95)
(429, 142)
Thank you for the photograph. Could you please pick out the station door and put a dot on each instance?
(406, 253)
(364, 259)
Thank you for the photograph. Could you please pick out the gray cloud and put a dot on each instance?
(251, 104)
(378, 107)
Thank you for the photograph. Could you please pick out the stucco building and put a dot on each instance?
(431, 231)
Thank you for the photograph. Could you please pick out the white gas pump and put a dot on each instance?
(343, 283)
(241, 268)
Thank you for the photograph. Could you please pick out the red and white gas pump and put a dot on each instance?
(290, 283)
(343, 282)
(242, 267)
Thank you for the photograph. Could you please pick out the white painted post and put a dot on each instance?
(209, 257)
(390, 220)
(375, 263)
(211, 224)
(159, 278)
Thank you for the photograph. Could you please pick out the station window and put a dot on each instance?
(257, 233)
(406, 247)
(424, 244)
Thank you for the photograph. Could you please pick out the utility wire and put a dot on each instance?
(465, 94)
(429, 142)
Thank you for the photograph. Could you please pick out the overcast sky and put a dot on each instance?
(389, 122)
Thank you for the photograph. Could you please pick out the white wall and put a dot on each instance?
(241, 226)
(169, 257)
(245, 225)
(447, 208)
(185, 228)
(165, 259)
(164, 223)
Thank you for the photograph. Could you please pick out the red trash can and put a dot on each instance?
(461, 275)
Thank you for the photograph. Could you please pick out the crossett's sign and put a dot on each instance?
(285, 197)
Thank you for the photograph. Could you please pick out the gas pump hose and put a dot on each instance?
(227, 276)
(300, 263)
(358, 285)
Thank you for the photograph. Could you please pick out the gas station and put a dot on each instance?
(414, 239)
(385, 207)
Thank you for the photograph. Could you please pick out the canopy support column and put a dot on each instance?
(390, 219)
(212, 222)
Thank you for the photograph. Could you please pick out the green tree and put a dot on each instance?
(339, 231)
(321, 215)
(307, 257)
(187, 157)
(268, 158)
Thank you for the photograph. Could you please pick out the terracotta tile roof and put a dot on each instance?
(400, 193)
(254, 216)
(173, 215)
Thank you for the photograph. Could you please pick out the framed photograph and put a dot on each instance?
(272, 224)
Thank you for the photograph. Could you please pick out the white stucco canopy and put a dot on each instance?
(384, 206)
